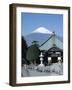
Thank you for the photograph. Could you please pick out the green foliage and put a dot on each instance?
(24, 48)
(33, 53)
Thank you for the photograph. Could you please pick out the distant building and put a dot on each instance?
(53, 47)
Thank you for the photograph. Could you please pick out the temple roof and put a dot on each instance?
(54, 49)
(51, 41)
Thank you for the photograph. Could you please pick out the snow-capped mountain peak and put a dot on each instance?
(42, 30)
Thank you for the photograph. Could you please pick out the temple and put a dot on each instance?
(52, 48)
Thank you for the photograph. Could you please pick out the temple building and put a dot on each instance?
(52, 48)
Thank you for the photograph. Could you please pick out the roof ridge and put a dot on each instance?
(46, 41)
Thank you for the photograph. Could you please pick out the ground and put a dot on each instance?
(51, 70)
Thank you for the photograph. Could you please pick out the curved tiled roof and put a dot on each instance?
(53, 39)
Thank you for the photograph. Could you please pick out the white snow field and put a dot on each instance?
(53, 70)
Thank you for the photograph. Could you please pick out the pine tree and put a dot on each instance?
(33, 53)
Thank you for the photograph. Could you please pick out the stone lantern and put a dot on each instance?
(41, 59)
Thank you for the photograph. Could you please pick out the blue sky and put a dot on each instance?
(32, 21)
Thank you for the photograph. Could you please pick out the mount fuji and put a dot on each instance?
(42, 30)
(41, 34)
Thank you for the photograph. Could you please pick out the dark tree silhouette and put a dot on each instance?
(24, 50)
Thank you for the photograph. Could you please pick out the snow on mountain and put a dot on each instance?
(40, 37)
(41, 34)
(42, 30)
